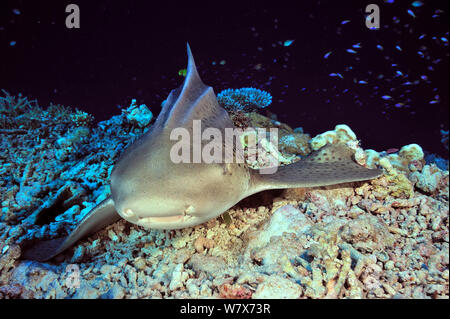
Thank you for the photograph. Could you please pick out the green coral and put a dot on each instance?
(81, 118)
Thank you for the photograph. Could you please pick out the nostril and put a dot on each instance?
(128, 213)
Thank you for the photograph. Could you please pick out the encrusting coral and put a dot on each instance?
(383, 238)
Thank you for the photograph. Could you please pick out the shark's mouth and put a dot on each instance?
(165, 219)
(164, 222)
(175, 219)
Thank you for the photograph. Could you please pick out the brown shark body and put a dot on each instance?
(149, 189)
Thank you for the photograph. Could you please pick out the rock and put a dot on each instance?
(86, 291)
(286, 219)
(105, 269)
(24, 197)
(210, 264)
(201, 243)
(277, 287)
(270, 256)
(428, 180)
(367, 233)
(7, 261)
(179, 276)
(116, 292)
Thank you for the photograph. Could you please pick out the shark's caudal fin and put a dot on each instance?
(332, 164)
(101, 216)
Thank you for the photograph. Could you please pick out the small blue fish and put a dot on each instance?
(386, 97)
(336, 74)
(422, 36)
(379, 47)
(399, 73)
(12, 43)
(424, 77)
(444, 39)
(327, 55)
(357, 46)
(345, 21)
(362, 82)
(420, 53)
(351, 51)
(16, 11)
(411, 13)
(288, 42)
(398, 48)
(417, 4)
(434, 102)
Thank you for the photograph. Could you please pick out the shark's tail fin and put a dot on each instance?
(99, 217)
(332, 164)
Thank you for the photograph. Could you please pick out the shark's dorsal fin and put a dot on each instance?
(193, 101)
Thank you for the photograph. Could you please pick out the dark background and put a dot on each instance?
(134, 49)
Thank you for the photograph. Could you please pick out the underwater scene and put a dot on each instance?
(224, 151)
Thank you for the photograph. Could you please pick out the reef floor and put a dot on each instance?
(385, 238)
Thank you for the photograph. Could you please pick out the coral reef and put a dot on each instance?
(244, 99)
(341, 134)
(141, 115)
(385, 238)
(81, 118)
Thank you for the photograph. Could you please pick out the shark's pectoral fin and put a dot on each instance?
(332, 164)
(44, 249)
(99, 217)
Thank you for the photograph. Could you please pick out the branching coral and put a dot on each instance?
(244, 98)
(17, 110)
(15, 105)
(81, 118)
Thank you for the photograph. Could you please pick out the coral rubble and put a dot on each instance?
(383, 238)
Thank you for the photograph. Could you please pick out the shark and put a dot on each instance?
(149, 189)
